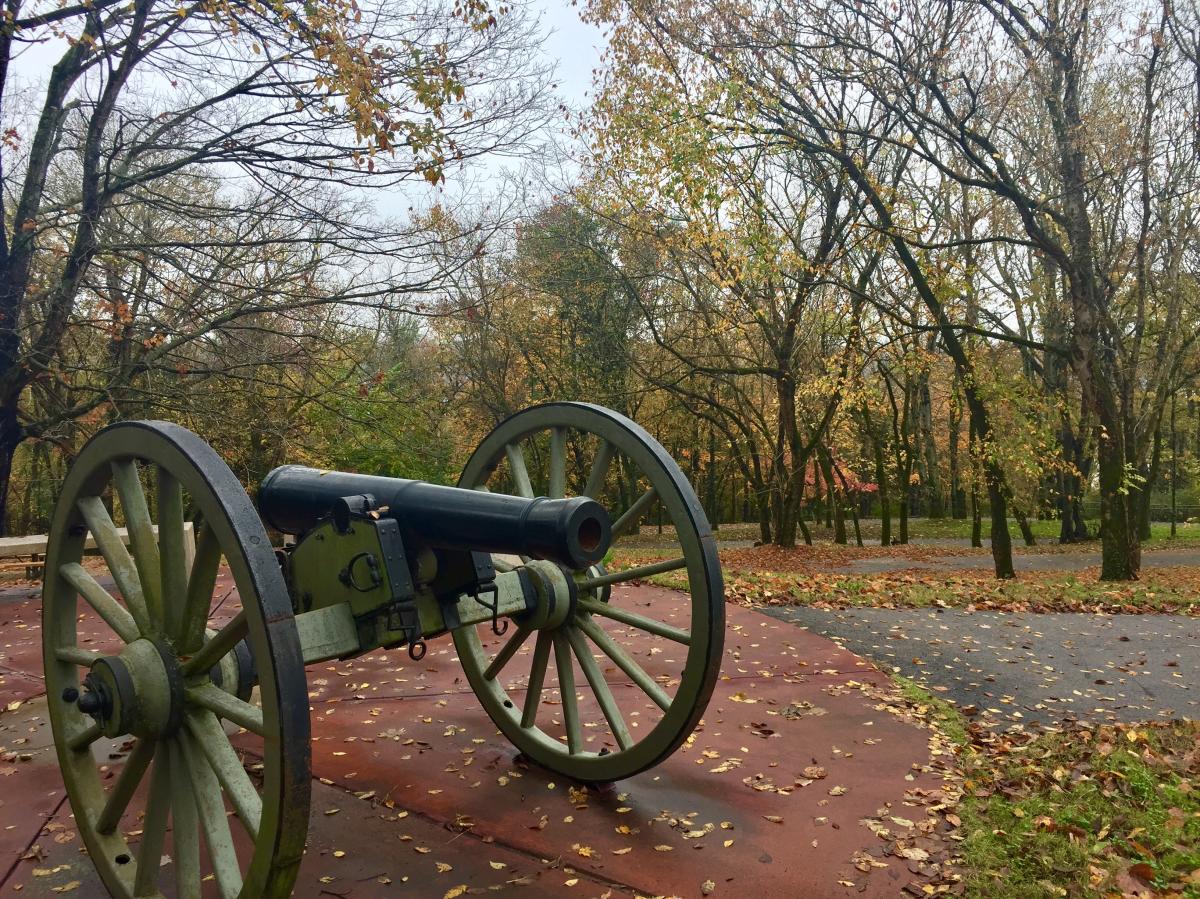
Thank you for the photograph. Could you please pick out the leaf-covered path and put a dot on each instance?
(1020, 669)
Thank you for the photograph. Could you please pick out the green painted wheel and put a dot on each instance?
(634, 669)
(167, 665)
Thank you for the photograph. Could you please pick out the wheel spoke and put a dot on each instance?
(599, 472)
(185, 826)
(173, 550)
(595, 679)
(515, 642)
(537, 678)
(201, 583)
(219, 646)
(131, 776)
(566, 689)
(625, 662)
(641, 622)
(154, 826)
(229, 707)
(629, 520)
(76, 656)
(82, 739)
(558, 463)
(631, 574)
(520, 474)
(141, 537)
(224, 761)
(114, 614)
(213, 820)
(120, 564)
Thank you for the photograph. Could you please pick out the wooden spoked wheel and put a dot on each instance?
(198, 681)
(631, 675)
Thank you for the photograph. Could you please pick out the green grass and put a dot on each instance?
(1043, 530)
(1160, 590)
(1048, 590)
(1076, 813)
(931, 529)
(1074, 818)
(944, 715)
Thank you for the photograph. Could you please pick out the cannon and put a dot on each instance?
(199, 684)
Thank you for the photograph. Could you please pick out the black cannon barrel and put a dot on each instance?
(574, 532)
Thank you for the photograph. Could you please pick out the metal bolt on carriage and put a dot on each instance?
(206, 688)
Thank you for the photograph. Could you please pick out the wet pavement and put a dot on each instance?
(1023, 669)
(417, 794)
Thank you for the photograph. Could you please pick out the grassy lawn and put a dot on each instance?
(1046, 532)
(764, 575)
(949, 528)
(1160, 590)
(1102, 811)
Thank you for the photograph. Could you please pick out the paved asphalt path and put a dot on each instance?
(1022, 669)
(1022, 561)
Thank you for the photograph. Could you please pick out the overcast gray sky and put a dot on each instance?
(573, 45)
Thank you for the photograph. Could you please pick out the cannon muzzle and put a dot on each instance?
(575, 532)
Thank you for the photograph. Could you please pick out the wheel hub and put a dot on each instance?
(138, 692)
(557, 597)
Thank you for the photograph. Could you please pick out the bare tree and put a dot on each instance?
(284, 106)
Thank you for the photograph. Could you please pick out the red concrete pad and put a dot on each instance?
(16, 688)
(410, 737)
(363, 850)
(31, 795)
(413, 733)
(20, 645)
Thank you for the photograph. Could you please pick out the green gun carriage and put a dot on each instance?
(209, 694)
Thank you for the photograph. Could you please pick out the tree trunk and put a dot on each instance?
(853, 505)
(1023, 524)
(11, 435)
(764, 520)
(1145, 492)
(839, 516)
(804, 531)
(1121, 553)
(789, 487)
(976, 517)
(931, 476)
(958, 496)
(714, 501)
(881, 478)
